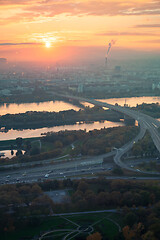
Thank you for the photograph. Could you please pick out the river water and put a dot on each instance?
(57, 106)
(61, 106)
(48, 106)
(133, 101)
(29, 133)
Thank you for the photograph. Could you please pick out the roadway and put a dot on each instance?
(75, 169)
(92, 165)
(145, 122)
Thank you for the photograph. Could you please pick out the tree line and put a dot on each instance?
(94, 142)
(145, 147)
(152, 109)
(33, 119)
(90, 143)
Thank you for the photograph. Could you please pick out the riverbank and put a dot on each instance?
(32, 133)
(47, 119)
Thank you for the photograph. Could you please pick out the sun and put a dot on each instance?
(47, 44)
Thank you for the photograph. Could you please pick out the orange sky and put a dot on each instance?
(41, 29)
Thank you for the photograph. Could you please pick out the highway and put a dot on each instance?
(145, 122)
(89, 166)
(75, 170)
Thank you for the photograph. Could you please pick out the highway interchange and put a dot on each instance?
(145, 122)
(90, 166)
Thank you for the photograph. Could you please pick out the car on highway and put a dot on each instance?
(46, 175)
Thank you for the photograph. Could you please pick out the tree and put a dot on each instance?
(103, 199)
(18, 153)
(77, 196)
(137, 150)
(94, 236)
(149, 236)
(155, 228)
(36, 190)
(91, 198)
(81, 204)
(19, 142)
(133, 233)
(130, 219)
(28, 145)
(128, 233)
(83, 186)
(67, 182)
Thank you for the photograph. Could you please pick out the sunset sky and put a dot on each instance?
(59, 29)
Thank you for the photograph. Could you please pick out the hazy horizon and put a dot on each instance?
(68, 31)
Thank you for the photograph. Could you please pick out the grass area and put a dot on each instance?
(67, 150)
(105, 227)
(58, 236)
(100, 223)
(47, 146)
(51, 223)
(93, 217)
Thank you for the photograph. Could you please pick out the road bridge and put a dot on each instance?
(145, 122)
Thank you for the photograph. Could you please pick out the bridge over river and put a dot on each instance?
(145, 122)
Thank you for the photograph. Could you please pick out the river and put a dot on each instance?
(61, 106)
(29, 133)
(133, 101)
(49, 106)
(57, 106)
